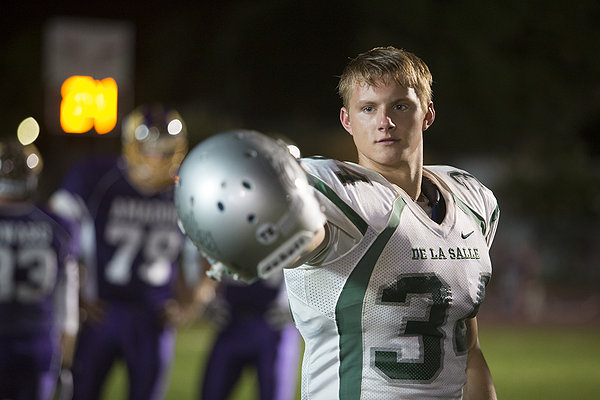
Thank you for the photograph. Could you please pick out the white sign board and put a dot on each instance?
(80, 46)
(96, 48)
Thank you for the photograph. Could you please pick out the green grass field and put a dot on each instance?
(543, 363)
(526, 362)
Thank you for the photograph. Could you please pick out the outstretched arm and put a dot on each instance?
(245, 201)
(479, 384)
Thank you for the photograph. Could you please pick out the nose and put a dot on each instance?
(385, 122)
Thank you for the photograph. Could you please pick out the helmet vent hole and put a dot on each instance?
(246, 185)
(251, 154)
(221, 206)
(252, 218)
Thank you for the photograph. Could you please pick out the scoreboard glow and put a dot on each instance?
(87, 103)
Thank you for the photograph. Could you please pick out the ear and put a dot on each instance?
(345, 120)
(429, 116)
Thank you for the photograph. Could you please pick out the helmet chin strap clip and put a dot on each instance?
(216, 271)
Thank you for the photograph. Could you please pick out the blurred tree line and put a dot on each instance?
(516, 85)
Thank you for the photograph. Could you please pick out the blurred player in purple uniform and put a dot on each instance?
(38, 282)
(134, 255)
(255, 329)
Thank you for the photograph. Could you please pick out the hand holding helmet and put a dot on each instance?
(244, 200)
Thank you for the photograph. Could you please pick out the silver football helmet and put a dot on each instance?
(20, 166)
(244, 200)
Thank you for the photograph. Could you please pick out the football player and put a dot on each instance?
(135, 258)
(254, 329)
(388, 291)
(38, 282)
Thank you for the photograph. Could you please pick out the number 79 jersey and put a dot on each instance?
(131, 242)
(382, 308)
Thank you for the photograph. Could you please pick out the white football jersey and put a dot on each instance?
(382, 307)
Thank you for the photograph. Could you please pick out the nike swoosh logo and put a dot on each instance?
(462, 235)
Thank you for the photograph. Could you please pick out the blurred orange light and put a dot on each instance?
(87, 103)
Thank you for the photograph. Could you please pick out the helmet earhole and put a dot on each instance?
(251, 218)
(246, 184)
(221, 206)
(251, 153)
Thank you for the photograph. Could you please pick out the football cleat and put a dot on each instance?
(245, 202)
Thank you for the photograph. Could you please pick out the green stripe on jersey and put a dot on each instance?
(352, 215)
(493, 219)
(348, 310)
(478, 218)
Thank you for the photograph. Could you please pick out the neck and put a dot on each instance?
(408, 174)
(408, 179)
(142, 185)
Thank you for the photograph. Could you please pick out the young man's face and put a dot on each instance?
(386, 123)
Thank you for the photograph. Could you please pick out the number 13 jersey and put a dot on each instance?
(382, 307)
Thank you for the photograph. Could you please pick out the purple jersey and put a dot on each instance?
(38, 295)
(258, 332)
(34, 248)
(133, 248)
(248, 300)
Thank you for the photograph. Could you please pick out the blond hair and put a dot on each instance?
(378, 65)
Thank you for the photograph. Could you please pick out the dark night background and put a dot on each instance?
(516, 88)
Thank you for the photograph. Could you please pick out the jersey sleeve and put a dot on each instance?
(66, 294)
(333, 198)
(78, 185)
(343, 225)
(66, 298)
(473, 197)
(82, 177)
